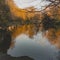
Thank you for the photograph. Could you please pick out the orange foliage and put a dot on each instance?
(25, 29)
(15, 11)
(53, 12)
(54, 37)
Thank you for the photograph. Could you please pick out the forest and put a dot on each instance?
(50, 20)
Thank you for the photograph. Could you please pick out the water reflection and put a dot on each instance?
(37, 47)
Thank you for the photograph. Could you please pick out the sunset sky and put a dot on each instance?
(28, 3)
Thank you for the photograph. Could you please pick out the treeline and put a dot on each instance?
(5, 15)
(6, 18)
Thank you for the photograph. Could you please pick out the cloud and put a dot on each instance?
(39, 4)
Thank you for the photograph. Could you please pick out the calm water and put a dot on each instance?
(38, 47)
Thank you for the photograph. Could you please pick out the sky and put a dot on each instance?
(39, 4)
(38, 47)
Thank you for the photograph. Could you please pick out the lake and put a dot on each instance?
(37, 47)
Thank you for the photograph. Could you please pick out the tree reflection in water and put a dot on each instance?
(30, 42)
